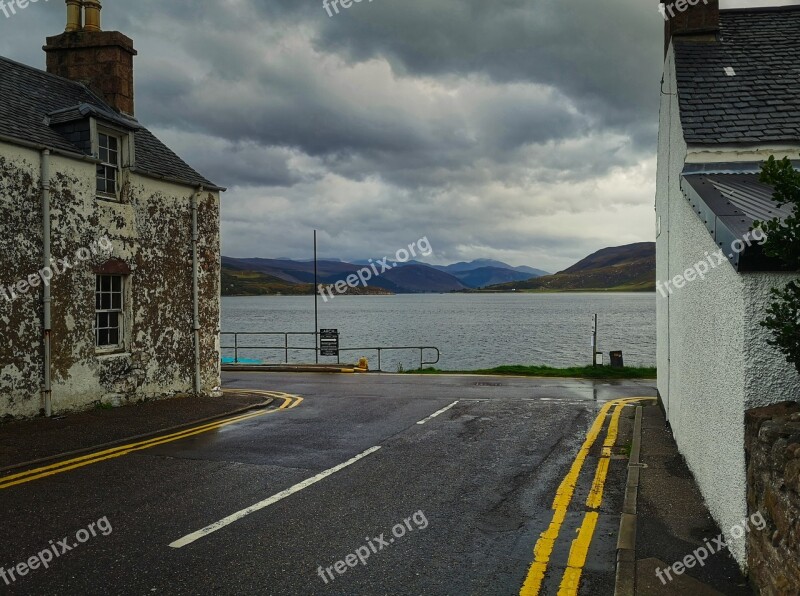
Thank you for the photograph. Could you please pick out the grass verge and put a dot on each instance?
(580, 372)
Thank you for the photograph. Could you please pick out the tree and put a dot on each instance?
(783, 242)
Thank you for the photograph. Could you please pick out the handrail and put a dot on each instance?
(421, 349)
(287, 348)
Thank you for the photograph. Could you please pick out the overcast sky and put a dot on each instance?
(521, 130)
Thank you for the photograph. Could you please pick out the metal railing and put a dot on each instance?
(286, 348)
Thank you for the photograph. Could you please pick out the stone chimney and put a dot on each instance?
(102, 60)
(696, 20)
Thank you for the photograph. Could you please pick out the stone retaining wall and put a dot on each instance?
(772, 443)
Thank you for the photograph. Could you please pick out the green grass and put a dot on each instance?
(580, 372)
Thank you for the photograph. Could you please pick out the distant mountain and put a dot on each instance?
(408, 279)
(270, 276)
(622, 268)
(421, 278)
(486, 276)
(242, 282)
(292, 271)
(463, 267)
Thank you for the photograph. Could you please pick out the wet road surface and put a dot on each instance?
(412, 492)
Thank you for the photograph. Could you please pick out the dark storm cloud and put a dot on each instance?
(600, 54)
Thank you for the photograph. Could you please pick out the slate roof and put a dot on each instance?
(728, 199)
(761, 102)
(31, 100)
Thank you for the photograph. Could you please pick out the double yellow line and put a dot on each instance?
(289, 402)
(580, 546)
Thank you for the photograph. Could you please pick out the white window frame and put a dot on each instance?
(120, 312)
(125, 155)
(109, 165)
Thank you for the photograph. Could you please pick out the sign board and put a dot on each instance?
(329, 342)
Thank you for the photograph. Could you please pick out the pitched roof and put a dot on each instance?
(745, 88)
(31, 100)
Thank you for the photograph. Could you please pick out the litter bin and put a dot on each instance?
(616, 359)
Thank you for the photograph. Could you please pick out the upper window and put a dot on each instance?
(109, 313)
(108, 171)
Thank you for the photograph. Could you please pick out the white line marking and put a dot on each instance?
(188, 539)
(435, 414)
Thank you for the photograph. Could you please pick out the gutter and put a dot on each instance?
(47, 327)
(52, 150)
(94, 160)
(140, 172)
(196, 294)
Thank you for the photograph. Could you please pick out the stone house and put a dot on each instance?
(729, 100)
(109, 242)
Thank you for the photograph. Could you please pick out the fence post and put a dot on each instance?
(236, 348)
(286, 348)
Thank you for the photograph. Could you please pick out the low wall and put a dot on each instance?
(773, 487)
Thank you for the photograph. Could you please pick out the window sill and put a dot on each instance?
(108, 199)
(112, 353)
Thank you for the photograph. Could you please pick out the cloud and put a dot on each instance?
(523, 130)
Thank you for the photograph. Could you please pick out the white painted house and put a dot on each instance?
(730, 98)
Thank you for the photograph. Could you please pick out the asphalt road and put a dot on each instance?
(451, 506)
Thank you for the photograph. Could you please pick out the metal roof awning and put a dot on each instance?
(728, 204)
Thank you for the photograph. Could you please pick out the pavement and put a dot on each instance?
(40, 438)
(673, 521)
(440, 484)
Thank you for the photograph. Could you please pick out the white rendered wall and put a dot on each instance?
(769, 378)
(713, 359)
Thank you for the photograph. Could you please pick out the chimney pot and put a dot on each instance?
(74, 15)
(92, 10)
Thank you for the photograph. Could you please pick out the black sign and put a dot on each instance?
(329, 342)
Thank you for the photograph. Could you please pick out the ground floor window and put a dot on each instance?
(109, 314)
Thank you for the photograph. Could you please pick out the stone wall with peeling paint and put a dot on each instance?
(151, 230)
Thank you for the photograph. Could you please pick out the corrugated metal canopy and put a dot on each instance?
(747, 193)
(728, 201)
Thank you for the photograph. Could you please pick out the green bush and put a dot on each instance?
(783, 242)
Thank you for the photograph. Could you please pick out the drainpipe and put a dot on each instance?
(196, 294)
(47, 390)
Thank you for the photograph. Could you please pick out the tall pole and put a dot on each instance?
(316, 302)
(594, 342)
